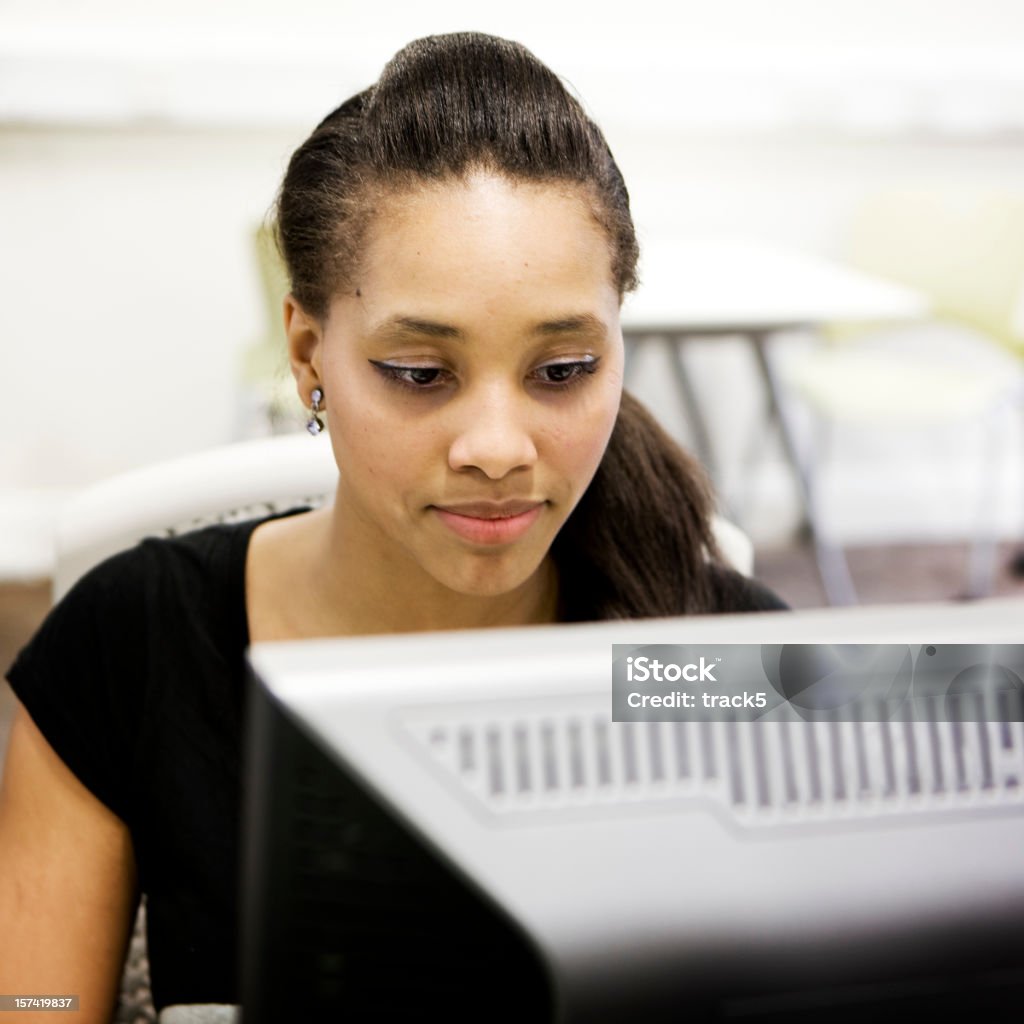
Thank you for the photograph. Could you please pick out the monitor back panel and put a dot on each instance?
(758, 866)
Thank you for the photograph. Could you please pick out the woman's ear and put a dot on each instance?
(305, 336)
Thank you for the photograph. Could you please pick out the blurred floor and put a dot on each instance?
(882, 574)
(886, 574)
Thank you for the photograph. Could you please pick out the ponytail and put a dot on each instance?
(639, 541)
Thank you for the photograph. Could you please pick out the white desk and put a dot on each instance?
(737, 286)
(734, 286)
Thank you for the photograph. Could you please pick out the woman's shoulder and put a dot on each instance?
(157, 595)
(151, 634)
(733, 592)
(159, 565)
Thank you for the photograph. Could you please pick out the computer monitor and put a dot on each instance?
(451, 824)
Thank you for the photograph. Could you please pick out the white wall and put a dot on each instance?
(137, 151)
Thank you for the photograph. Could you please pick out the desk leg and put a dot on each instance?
(691, 409)
(831, 562)
(691, 405)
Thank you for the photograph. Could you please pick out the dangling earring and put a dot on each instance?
(314, 424)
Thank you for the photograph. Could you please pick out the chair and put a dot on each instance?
(964, 249)
(228, 484)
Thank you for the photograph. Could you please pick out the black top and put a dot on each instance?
(137, 680)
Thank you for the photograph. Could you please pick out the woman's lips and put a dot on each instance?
(484, 523)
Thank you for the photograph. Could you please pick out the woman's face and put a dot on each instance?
(472, 376)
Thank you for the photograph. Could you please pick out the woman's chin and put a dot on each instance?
(490, 580)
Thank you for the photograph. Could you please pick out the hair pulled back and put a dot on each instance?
(444, 106)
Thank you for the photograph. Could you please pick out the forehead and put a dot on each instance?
(486, 238)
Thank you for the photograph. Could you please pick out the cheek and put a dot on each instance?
(382, 450)
(590, 451)
(360, 440)
(580, 444)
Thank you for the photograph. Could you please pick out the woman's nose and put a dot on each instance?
(493, 434)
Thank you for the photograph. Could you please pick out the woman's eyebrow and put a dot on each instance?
(582, 323)
(414, 325)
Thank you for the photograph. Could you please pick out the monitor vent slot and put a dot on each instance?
(763, 773)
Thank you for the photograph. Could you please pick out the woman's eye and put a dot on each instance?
(421, 374)
(418, 378)
(430, 378)
(566, 373)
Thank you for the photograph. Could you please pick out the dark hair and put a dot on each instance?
(443, 106)
(638, 542)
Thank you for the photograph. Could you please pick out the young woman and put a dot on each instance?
(459, 242)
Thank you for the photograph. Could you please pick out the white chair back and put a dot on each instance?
(220, 485)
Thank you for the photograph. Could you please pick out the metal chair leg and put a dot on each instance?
(693, 411)
(829, 557)
(833, 568)
(981, 566)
